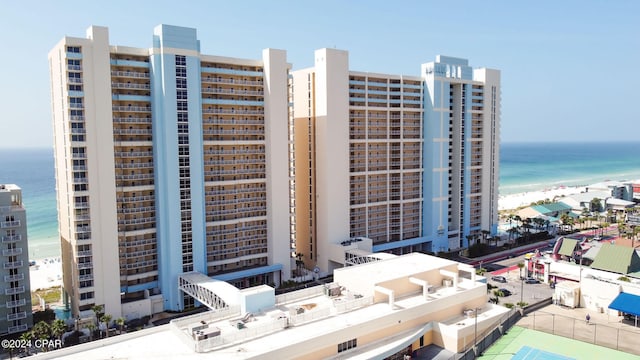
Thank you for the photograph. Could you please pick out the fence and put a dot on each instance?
(489, 336)
(299, 295)
(578, 329)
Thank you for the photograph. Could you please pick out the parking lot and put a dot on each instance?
(531, 293)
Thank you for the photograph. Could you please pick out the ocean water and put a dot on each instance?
(523, 167)
(537, 166)
(32, 171)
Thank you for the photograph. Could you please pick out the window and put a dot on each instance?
(347, 345)
(86, 296)
(73, 49)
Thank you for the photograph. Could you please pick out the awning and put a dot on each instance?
(626, 303)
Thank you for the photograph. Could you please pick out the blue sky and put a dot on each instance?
(569, 68)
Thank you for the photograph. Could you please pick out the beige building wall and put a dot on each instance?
(491, 140)
(332, 145)
(100, 251)
(276, 119)
(304, 118)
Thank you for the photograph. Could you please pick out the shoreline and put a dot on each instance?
(518, 200)
(46, 273)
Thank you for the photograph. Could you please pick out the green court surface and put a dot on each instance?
(525, 344)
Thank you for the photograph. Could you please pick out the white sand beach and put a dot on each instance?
(514, 201)
(46, 273)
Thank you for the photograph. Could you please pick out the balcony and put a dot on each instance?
(134, 177)
(132, 132)
(83, 229)
(9, 224)
(85, 265)
(132, 108)
(16, 277)
(133, 154)
(16, 303)
(132, 120)
(81, 205)
(233, 111)
(17, 316)
(130, 86)
(11, 252)
(80, 180)
(11, 238)
(14, 290)
(132, 74)
(18, 328)
(220, 80)
(13, 264)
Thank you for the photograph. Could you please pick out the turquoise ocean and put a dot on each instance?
(523, 167)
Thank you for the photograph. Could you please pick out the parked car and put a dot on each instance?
(532, 281)
(498, 278)
(505, 292)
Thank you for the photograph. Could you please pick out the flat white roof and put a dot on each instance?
(395, 267)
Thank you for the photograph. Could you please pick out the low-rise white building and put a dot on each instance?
(374, 310)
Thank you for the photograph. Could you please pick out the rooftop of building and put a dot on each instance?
(314, 315)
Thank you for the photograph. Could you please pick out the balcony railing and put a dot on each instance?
(132, 108)
(133, 74)
(230, 81)
(16, 277)
(11, 252)
(17, 316)
(133, 153)
(16, 303)
(130, 86)
(9, 224)
(18, 328)
(11, 238)
(132, 120)
(233, 111)
(13, 264)
(85, 265)
(14, 290)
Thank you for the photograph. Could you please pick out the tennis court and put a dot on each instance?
(524, 344)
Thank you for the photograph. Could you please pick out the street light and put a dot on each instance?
(475, 331)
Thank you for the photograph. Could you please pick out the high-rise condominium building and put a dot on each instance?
(167, 161)
(410, 162)
(15, 292)
(170, 161)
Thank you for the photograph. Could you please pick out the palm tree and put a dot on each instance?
(58, 327)
(470, 240)
(92, 327)
(120, 322)
(106, 319)
(520, 267)
(485, 233)
(512, 231)
(299, 263)
(622, 227)
(41, 331)
(97, 310)
(26, 338)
